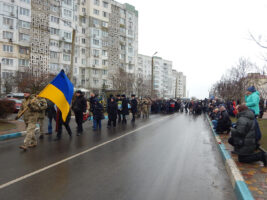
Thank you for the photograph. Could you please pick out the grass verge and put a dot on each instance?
(5, 126)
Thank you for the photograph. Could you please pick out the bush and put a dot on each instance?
(7, 107)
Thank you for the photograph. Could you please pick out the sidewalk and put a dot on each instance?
(20, 126)
(255, 174)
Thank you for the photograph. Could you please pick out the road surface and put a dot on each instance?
(166, 157)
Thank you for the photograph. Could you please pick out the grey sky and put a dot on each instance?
(202, 38)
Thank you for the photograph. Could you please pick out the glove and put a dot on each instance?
(16, 118)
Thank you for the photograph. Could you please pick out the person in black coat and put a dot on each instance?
(60, 122)
(224, 122)
(79, 107)
(133, 107)
(98, 115)
(125, 109)
(51, 114)
(112, 112)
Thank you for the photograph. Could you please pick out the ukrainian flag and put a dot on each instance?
(60, 92)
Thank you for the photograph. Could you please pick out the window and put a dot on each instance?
(105, 14)
(105, 43)
(83, 40)
(95, 52)
(96, 22)
(24, 24)
(76, 59)
(96, 42)
(54, 43)
(105, 62)
(83, 20)
(53, 54)
(54, 31)
(67, 23)
(24, 37)
(94, 71)
(24, 50)
(83, 51)
(130, 50)
(68, 2)
(54, 19)
(8, 8)
(105, 4)
(96, 62)
(97, 2)
(83, 61)
(96, 12)
(67, 35)
(95, 81)
(67, 46)
(7, 21)
(25, 1)
(105, 24)
(7, 35)
(66, 57)
(83, 30)
(83, 10)
(130, 32)
(54, 8)
(104, 33)
(67, 13)
(24, 11)
(104, 52)
(104, 72)
(8, 48)
(122, 47)
(96, 32)
(122, 21)
(23, 62)
(7, 61)
(105, 82)
(122, 30)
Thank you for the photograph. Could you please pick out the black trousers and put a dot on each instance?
(113, 121)
(124, 119)
(66, 124)
(119, 116)
(133, 113)
(79, 121)
(251, 157)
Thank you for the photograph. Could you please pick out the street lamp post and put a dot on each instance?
(152, 73)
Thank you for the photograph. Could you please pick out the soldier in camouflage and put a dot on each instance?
(30, 119)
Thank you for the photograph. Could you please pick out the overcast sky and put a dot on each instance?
(202, 38)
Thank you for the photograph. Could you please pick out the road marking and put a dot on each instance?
(78, 154)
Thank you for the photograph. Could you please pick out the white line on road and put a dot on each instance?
(76, 155)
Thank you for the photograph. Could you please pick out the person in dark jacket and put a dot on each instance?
(60, 122)
(224, 122)
(98, 115)
(133, 107)
(79, 107)
(51, 114)
(243, 137)
(112, 112)
(125, 109)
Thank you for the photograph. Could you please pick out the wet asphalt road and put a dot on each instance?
(168, 157)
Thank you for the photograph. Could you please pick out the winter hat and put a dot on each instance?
(251, 89)
(79, 91)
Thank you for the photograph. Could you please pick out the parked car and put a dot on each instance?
(17, 105)
(16, 95)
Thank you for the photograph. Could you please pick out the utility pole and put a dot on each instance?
(0, 79)
(152, 74)
(72, 55)
(176, 88)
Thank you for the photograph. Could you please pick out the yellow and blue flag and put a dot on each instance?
(60, 92)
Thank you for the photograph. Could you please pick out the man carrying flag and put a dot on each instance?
(60, 92)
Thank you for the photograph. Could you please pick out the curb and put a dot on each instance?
(15, 135)
(240, 187)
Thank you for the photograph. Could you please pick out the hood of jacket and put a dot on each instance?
(247, 114)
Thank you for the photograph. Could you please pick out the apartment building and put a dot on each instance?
(15, 22)
(178, 84)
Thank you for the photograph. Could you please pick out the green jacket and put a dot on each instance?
(252, 102)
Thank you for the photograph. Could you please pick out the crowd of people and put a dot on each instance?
(245, 133)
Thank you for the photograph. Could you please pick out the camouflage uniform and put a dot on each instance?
(42, 107)
(145, 108)
(30, 118)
